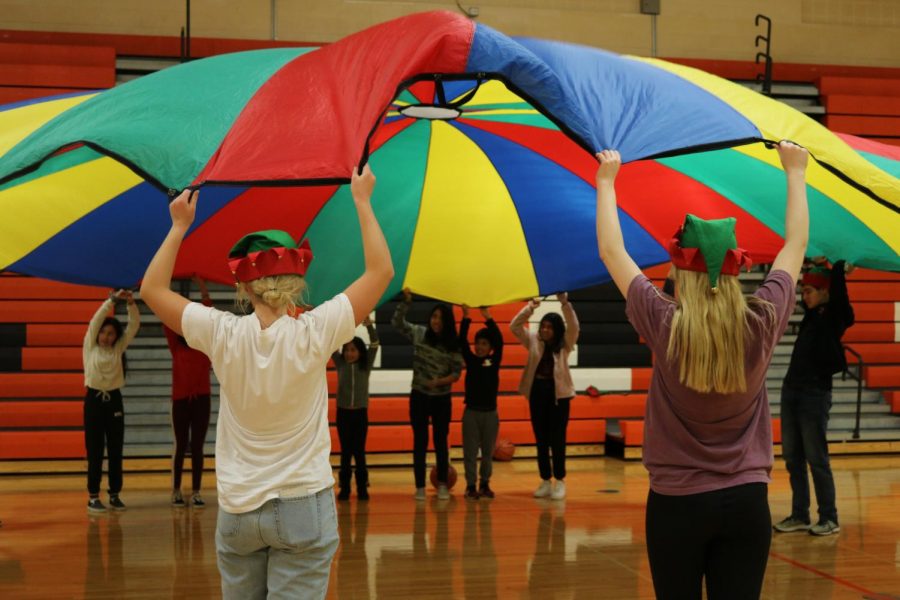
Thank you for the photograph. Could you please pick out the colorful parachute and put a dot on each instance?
(482, 145)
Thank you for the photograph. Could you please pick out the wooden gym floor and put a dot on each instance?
(589, 546)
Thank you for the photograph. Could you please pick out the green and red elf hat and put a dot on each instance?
(268, 253)
(818, 277)
(708, 247)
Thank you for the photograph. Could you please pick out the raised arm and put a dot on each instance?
(374, 344)
(496, 336)
(338, 357)
(669, 283)
(365, 292)
(610, 242)
(156, 289)
(204, 292)
(838, 298)
(464, 334)
(571, 319)
(90, 336)
(517, 325)
(134, 323)
(398, 320)
(796, 216)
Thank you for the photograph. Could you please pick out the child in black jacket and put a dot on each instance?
(480, 421)
(806, 396)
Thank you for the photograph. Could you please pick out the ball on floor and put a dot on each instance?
(504, 450)
(451, 477)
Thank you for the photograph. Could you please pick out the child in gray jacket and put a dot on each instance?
(354, 363)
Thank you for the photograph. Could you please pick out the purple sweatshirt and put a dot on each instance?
(698, 442)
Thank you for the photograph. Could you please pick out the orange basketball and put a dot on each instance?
(504, 450)
(451, 476)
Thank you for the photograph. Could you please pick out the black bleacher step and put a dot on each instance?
(614, 355)
(602, 312)
(604, 292)
(419, 312)
(10, 359)
(607, 333)
(396, 357)
(12, 335)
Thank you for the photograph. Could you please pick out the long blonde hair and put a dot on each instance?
(709, 332)
(278, 292)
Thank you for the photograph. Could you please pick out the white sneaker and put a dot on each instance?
(544, 490)
(559, 491)
(420, 493)
(443, 492)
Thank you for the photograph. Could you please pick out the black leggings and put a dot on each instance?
(190, 420)
(723, 535)
(438, 408)
(104, 426)
(549, 421)
(352, 429)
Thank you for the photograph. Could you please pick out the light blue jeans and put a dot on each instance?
(283, 549)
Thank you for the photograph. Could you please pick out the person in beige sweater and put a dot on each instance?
(547, 383)
(103, 354)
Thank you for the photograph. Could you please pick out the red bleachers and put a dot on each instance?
(849, 104)
(46, 394)
(864, 106)
(41, 385)
(144, 45)
(876, 353)
(893, 399)
(882, 376)
(36, 70)
(48, 311)
(859, 86)
(51, 359)
(49, 444)
(32, 288)
(37, 334)
(50, 413)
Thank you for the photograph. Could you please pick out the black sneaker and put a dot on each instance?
(362, 493)
(178, 499)
(485, 491)
(95, 506)
(116, 503)
(344, 494)
(471, 493)
(197, 501)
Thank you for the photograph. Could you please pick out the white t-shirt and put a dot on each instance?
(272, 437)
(103, 366)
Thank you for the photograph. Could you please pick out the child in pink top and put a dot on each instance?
(708, 432)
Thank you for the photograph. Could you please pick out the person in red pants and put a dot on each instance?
(190, 408)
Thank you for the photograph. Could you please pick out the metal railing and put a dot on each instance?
(860, 365)
(766, 76)
(186, 33)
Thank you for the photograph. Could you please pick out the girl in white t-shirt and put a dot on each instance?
(277, 525)
(103, 356)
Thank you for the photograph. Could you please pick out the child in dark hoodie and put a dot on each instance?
(480, 421)
(806, 396)
(354, 364)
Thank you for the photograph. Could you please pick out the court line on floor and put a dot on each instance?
(816, 571)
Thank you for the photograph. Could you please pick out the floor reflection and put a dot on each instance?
(351, 569)
(479, 560)
(591, 546)
(189, 551)
(104, 576)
